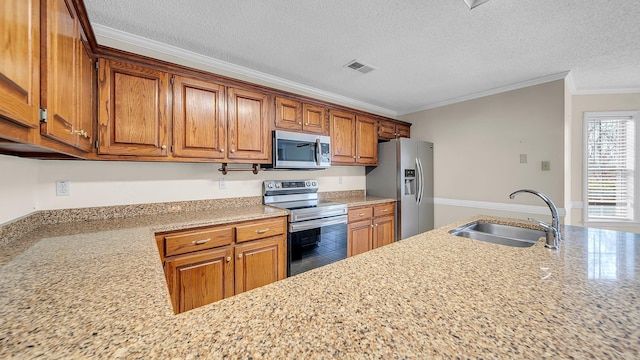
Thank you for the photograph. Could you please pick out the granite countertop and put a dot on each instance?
(97, 290)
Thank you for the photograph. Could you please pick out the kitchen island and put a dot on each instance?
(97, 290)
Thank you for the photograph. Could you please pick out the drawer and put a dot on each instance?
(384, 209)
(260, 229)
(360, 213)
(194, 240)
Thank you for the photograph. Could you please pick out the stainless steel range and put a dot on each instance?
(317, 230)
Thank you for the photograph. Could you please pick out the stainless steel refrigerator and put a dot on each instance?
(405, 173)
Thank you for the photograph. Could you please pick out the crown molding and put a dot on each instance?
(485, 205)
(118, 36)
(607, 91)
(498, 90)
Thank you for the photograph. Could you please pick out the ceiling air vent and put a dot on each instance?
(474, 3)
(360, 67)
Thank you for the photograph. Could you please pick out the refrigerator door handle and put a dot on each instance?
(421, 179)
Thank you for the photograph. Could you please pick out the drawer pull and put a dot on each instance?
(200, 242)
(361, 214)
(385, 210)
(262, 231)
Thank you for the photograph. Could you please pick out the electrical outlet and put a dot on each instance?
(222, 184)
(523, 158)
(339, 179)
(546, 166)
(62, 188)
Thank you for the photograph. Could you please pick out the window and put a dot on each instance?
(610, 163)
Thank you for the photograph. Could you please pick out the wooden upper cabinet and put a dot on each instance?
(366, 140)
(199, 121)
(297, 116)
(133, 105)
(388, 130)
(314, 119)
(343, 137)
(403, 130)
(248, 126)
(61, 71)
(20, 61)
(288, 114)
(86, 100)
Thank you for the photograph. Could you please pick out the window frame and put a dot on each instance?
(634, 116)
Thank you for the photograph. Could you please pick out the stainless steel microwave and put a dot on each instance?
(293, 150)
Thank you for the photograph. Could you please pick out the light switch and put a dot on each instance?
(222, 184)
(546, 165)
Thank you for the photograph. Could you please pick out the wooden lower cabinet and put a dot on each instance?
(359, 235)
(370, 227)
(259, 263)
(200, 278)
(208, 264)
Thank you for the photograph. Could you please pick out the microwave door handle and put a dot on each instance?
(318, 146)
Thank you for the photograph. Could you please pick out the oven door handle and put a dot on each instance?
(317, 223)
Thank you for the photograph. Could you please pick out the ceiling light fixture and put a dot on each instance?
(474, 3)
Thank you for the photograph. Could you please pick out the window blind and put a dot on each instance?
(610, 168)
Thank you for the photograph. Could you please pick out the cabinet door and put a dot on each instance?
(366, 140)
(359, 236)
(386, 130)
(260, 262)
(314, 119)
(288, 114)
(84, 124)
(403, 131)
(20, 61)
(199, 278)
(248, 126)
(198, 118)
(343, 144)
(133, 103)
(61, 71)
(383, 231)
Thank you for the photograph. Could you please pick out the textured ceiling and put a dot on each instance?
(425, 51)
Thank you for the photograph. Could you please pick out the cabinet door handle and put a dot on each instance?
(262, 231)
(239, 256)
(232, 151)
(228, 258)
(163, 147)
(376, 224)
(299, 122)
(371, 225)
(307, 124)
(221, 150)
(200, 242)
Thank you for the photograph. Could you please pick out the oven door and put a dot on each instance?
(300, 151)
(316, 243)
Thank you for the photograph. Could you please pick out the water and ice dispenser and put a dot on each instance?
(409, 182)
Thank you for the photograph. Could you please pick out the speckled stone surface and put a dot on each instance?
(11, 231)
(97, 290)
(362, 200)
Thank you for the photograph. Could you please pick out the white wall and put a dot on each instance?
(28, 185)
(477, 147)
(18, 183)
(104, 183)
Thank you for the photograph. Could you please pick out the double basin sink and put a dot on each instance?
(499, 234)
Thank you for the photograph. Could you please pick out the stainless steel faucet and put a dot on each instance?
(553, 231)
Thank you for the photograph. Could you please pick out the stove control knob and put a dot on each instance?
(313, 183)
(307, 184)
(270, 185)
(277, 185)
